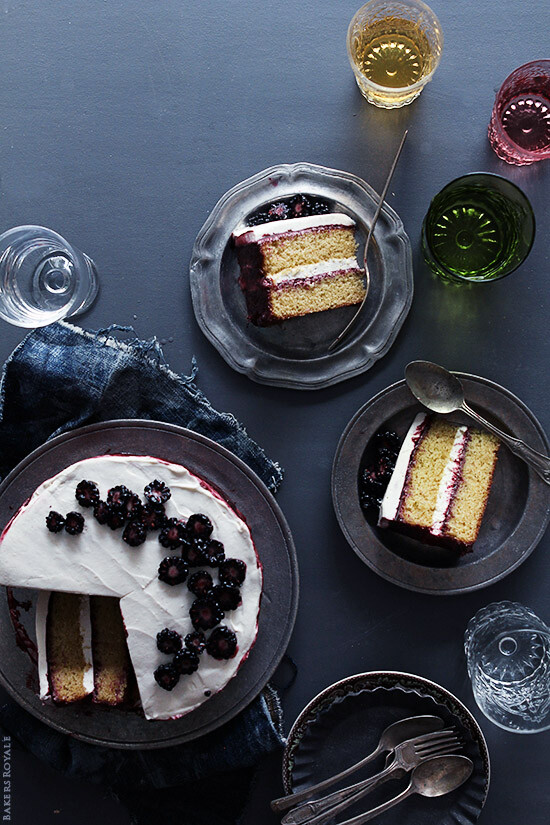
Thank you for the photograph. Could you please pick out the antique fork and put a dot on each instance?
(406, 756)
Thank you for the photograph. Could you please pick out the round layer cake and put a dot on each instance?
(99, 562)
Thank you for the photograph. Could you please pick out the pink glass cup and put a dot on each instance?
(519, 130)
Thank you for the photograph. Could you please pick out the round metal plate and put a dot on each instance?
(517, 513)
(247, 494)
(294, 353)
(343, 724)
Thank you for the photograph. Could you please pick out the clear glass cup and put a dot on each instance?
(519, 129)
(478, 228)
(42, 277)
(394, 47)
(508, 653)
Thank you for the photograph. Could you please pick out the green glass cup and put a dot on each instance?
(479, 228)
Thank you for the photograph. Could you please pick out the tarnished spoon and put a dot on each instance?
(441, 391)
(392, 736)
(436, 777)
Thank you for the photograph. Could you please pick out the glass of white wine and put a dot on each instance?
(394, 48)
(42, 277)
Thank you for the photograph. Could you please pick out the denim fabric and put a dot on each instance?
(61, 377)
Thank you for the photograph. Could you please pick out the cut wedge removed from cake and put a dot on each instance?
(440, 485)
(297, 266)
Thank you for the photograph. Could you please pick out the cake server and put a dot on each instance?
(348, 326)
(436, 777)
(390, 738)
(406, 756)
(441, 391)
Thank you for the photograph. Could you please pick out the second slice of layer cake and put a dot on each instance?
(441, 482)
(294, 267)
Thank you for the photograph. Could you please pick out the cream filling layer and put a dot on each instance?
(448, 479)
(98, 562)
(256, 233)
(313, 270)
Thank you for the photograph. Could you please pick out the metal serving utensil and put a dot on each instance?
(436, 777)
(407, 756)
(348, 326)
(441, 391)
(393, 735)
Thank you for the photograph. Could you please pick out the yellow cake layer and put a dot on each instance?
(66, 662)
(430, 460)
(477, 474)
(307, 247)
(111, 659)
(327, 293)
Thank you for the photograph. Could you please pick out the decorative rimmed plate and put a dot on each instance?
(247, 494)
(517, 513)
(343, 724)
(294, 354)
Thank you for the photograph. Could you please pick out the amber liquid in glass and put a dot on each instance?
(393, 52)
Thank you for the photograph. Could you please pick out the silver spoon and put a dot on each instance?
(441, 391)
(393, 735)
(381, 200)
(436, 777)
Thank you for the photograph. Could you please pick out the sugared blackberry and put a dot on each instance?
(169, 641)
(173, 570)
(385, 465)
(118, 496)
(153, 516)
(386, 439)
(157, 492)
(196, 641)
(214, 552)
(134, 533)
(172, 534)
(371, 481)
(186, 661)
(116, 517)
(198, 526)
(300, 206)
(74, 523)
(133, 507)
(319, 207)
(200, 583)
(222, 643)
(194, 554)
(205, 613)
(102, 511)
(278, 211)
(232, 571)
(228, 596)
(87, 493)
(166, 676)
(55, 522)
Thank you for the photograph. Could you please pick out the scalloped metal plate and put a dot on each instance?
(294, 354)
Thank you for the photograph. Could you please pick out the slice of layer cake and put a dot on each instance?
(112, 665)
(440, 485)
(297, 266)
(64, 642)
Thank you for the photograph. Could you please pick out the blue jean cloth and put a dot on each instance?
(61, 377)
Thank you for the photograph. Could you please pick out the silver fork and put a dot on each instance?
(406, 756)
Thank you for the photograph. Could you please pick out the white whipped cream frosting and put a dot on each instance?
(322, 268)
(98, 562)
(256, 233)
(390, 503)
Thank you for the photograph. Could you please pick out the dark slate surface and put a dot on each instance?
(121, 126)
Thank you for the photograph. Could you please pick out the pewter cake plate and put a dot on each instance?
(244, 491)
(518, 508)
(294, 354)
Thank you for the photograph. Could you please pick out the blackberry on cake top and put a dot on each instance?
(222, 643)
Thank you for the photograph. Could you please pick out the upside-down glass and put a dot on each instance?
(480, 227)
(42, 277)
(508, 654)
(519, 129)
(394, 47)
